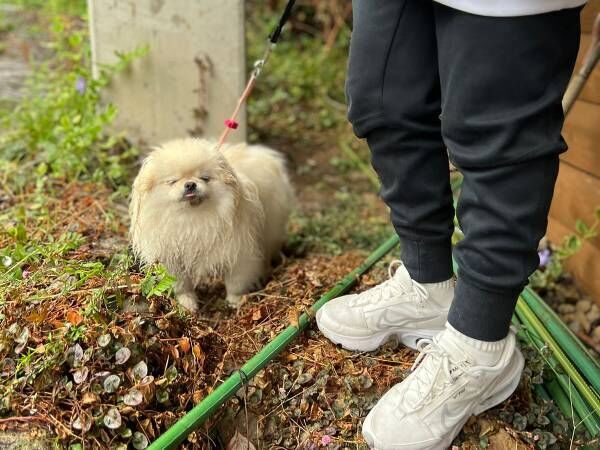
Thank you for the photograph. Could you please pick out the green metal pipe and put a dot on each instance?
(562, 401)
(564, 393)
(553, 387)
(567, 397)
(578, 391)
(555, 390)
(572, 346)
(177, 433)
(542, 392)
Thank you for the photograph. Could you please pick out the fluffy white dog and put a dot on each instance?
(206, 213)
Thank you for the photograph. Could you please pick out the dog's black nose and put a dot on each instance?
(189, 186)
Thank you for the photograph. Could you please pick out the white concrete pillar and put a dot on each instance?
(193, 74)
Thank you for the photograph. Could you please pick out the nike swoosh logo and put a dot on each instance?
(375, 308)
(450, 417)
(389, 318)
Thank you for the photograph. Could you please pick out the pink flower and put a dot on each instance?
(326, 440)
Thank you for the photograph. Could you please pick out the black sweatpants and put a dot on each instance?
(425, 81)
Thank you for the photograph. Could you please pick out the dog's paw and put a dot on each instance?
(235, 300)
(189, 302)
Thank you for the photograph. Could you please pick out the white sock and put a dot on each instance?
(482, 353)
(441, 293)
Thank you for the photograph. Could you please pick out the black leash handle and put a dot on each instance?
(274, 36)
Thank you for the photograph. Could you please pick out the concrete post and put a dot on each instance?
(193, 74)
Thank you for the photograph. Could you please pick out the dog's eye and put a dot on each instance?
(171, 182)
(205, 178)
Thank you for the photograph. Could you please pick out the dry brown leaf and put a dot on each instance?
(293, 317)
(73, 317)
(291, 357)
(184, 344)
(197, 397)
(198, 353)
(162, 324)
(89, 398)
(36, 317)
(257, 314)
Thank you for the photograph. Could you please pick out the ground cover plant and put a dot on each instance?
(94, 353)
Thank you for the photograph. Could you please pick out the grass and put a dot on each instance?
(303, 89)
(350, 223)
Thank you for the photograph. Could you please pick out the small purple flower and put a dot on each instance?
(326, 440)
(81, 85)
(26, 273)
(545, 257)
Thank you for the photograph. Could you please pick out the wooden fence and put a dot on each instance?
(577, 192)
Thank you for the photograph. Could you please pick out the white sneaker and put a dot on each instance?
(397, 307)
(429, 408)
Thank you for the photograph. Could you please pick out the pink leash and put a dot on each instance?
(231, 123)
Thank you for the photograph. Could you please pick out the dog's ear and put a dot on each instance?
(227, 175)
(142, 184)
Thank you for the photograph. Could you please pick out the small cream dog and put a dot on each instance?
(206, 213)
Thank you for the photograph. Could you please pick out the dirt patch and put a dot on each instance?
(26, 437)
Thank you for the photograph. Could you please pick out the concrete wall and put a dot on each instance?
(193, 74)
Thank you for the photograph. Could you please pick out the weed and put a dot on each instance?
(59, 130)
(53, 7)
(303, 88)
(349, 223)
(570, 245)
(157, 282)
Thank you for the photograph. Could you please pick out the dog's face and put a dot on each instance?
(193, 187)
(187, 175)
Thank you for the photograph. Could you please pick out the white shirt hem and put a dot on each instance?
(508, 8)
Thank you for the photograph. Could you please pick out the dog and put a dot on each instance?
(208, 213)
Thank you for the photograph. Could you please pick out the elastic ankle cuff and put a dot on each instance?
(484, 346)
(427, 261)
(482, 314)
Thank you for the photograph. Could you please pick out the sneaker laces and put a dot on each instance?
(392, 287)
(435, 373)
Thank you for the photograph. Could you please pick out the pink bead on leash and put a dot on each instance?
(231, 124)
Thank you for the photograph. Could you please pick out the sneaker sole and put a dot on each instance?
(513, 374)
(408, 338)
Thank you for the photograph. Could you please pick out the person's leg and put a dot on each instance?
(393, 92)
(502, 85)
(502, 82)
(393, 95)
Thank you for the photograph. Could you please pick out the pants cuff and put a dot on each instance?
(482, 314)
(427, 261)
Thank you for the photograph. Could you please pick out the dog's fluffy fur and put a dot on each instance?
(232, 225)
